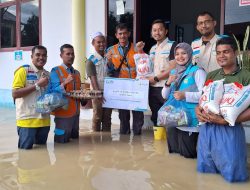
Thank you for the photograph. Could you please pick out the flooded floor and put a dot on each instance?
(101, 161)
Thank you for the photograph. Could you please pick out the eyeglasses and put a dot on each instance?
(205, 22)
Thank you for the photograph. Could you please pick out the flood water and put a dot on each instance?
(101, 161)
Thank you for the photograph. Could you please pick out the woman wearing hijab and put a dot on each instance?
(184, 84)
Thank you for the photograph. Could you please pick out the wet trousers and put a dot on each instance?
(222, 149)
(182, 142)
(101, 117)
(30, 136)
(155, 101)
(66, 128)
(138, 121)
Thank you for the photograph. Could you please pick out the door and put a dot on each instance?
(138, 15)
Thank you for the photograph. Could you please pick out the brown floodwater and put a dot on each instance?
(102, 161)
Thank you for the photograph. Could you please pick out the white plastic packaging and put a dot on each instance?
(212, 95)
(235, 100)
(144, 66)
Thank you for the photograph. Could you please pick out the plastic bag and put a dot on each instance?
(47, 103)
(144, 66)
(174, 114)
(212, 95)
(235, 100)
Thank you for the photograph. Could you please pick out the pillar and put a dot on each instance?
(78, 35)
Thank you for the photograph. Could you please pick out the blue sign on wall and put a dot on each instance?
(18, 55)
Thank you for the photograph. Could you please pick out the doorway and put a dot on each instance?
(119, 11)
(148, 12)
(138, 15)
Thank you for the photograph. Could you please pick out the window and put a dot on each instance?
(19, 24)
(115, 16)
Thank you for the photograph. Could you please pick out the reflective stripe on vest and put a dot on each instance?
(101, 69)
(26, 105)
(74, 104)
(128, 69)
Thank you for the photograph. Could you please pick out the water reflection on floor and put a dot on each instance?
(101, 161)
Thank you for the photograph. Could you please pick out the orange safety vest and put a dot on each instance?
(127, 71)
(74, 104)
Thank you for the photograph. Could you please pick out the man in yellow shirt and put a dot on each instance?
(29, 83)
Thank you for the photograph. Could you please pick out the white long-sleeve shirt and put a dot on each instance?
(192, 97)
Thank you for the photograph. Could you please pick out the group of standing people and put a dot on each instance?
(30, 82)
(210, 57)
(193, 65)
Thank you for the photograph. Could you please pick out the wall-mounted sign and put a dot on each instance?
(18, 55)
(244, 2)
(235, 13)
(120, 8)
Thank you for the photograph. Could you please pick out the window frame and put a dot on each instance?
(18, 25)
(136, 27)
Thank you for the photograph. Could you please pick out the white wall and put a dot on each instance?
(8, 65)
(95, 20)
(56, 28)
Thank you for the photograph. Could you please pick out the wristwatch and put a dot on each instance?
(156, 79)
(166, 84)
(37, 87)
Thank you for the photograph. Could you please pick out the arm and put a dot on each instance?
(109, 55)
(91, 73)
(165, 92)
(209, 117)
(200, 77)
(244, 116)
(19, 88)
(167, 87)
(22, 92)
(213, 118)
(172, 62)
(164, 73)
(201, 116)
(139, 46)
(55, 83)
(94, 84)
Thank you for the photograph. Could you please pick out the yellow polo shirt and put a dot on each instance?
(19, 82)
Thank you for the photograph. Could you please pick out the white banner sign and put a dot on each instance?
(244, 2)
(128, 94)
(120, 9)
